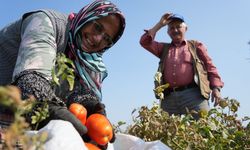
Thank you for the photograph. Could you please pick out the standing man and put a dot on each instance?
(191, 74)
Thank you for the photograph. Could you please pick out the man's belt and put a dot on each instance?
(175, 89)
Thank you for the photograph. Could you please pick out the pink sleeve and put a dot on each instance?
(147, 42)
(213, 76)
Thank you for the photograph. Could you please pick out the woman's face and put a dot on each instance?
(99, 34)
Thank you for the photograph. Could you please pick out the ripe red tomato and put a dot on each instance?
(91, 146)
(79, 111)
(99, 129)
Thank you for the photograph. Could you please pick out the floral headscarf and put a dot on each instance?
(89, 66)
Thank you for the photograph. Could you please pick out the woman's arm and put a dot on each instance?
(32, 73)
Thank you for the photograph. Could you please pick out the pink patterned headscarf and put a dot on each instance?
(89, 66)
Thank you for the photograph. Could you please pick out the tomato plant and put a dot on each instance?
(79, 111)
(91, 146)
(218, 129)
(99, 129)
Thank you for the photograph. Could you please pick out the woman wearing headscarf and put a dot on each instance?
(29, 48)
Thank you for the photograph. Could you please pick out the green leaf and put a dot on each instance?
(64, 70)
(224, 135)
(54, 77)
(234, 108)
(223, 103)
(34, 119)
(71, 80)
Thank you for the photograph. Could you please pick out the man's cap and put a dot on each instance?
(176, 17)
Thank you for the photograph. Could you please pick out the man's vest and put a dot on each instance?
(200, 72)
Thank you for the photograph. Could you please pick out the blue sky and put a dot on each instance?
(223, 26)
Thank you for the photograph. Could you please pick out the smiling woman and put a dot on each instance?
(30, 45)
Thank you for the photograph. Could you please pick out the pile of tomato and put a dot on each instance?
(99, 128)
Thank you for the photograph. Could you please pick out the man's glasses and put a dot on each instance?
(107, 40)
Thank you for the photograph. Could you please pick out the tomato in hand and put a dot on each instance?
(91, 146)
(99, 129)
(79, 111)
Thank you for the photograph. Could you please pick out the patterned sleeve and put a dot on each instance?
(37, 49)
